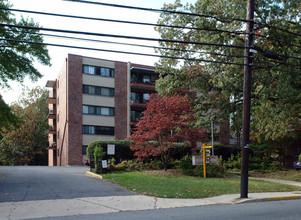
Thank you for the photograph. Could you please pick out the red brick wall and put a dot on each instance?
(121, 100)
(74, 134)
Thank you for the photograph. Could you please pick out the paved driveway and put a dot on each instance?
(28, 183)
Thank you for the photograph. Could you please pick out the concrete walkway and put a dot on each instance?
(111, 204)
(99, 205)
(293, 183)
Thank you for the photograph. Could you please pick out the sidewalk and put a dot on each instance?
(99, 205)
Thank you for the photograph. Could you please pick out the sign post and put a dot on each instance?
(111, 151)
(204, 158)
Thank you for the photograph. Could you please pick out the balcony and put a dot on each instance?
(52, 146)
(50, 99)
(51, 130)
(51, 114)
(143, 86)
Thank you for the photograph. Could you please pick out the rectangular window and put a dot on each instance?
(146, 78)
(91, 110)
(85, 109)
(98, 130)
(85, 149)
(96, 90)
(92, 90)
(98, 110)
(105, 111)
(89, 69)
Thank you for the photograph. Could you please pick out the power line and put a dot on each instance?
(225, 20)
(130, 44)
(123, 36)
(147, 24)
(144, 54)
(144, 38)
(122, 21)
(275, 39)
(124, 52)
(160, 10)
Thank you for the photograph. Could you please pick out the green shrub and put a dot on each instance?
(234, 162)
(299, 157)
(122, 149)
(186, 165)
(98, 154)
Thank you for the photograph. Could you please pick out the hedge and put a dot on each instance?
(122, 149)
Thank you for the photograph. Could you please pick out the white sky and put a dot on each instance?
(58, 54)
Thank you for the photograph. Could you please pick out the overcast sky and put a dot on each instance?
(58, 54)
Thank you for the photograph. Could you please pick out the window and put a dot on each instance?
(89, 69)
(146, 97)
(85, 109)
(91, 110)
(84, 149)
(105, 91)
(98, 130)
(98, 110)
(106, 72)
(105, 111)
(146, 78)
(96, 90)
(95, 70)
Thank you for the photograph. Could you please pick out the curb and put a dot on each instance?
(94, 175)
(278, 198)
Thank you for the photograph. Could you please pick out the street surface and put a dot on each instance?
(68, 193)
(30, 183)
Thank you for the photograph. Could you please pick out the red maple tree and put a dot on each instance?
(166, 123)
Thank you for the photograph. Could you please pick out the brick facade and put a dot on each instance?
(121, 100)
(74, 117)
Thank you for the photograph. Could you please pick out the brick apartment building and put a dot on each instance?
(95, 99)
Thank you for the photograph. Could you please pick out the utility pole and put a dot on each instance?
(247, 101)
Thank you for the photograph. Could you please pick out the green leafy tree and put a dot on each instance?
(17, 58)
(27, 143)
(276, 95)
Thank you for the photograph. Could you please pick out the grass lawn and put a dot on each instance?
(293, 175)
(170, 185)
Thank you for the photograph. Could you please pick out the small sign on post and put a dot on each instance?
(104, 163)
(111, 149)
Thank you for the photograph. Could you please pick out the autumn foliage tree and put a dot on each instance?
(27, 142)
(166, 125)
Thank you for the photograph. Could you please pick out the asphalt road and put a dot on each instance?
(30, 183)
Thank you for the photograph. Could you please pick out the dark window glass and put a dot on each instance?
(85, 149)
(98, 130)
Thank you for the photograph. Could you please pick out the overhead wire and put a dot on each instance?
(142, 38)
(144, 54)
(124, 52)
(123, 36)
(126, 22)
(138, 38)
(226, 20)
(147, 24)
(131, 44)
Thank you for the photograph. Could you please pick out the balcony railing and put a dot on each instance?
(50, 99)
(51, 114)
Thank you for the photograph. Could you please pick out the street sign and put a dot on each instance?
(111, 149)
(197, 160)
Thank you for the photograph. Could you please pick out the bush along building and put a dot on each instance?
(96, 99)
